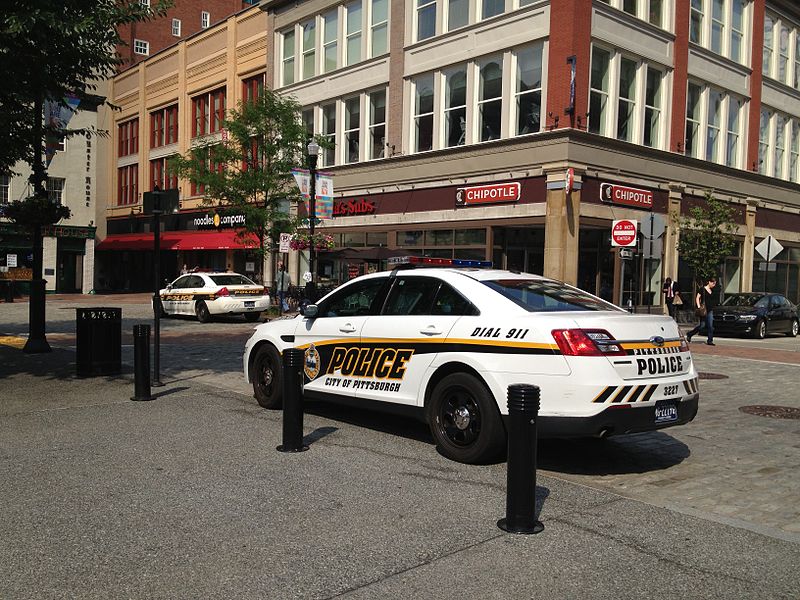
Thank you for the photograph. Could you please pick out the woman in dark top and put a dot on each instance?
(705, 297)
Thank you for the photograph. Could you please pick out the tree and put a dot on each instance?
(250, 171)
(49, 50)
(707, 236)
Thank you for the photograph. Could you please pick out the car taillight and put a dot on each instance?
(223, 292)
(684, 347)
(586, 342)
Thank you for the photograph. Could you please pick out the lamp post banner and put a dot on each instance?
(323, 203)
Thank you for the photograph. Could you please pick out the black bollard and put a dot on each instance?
(523, 409)
(141, 362)
(292, 401)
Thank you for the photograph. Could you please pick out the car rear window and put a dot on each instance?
(231, 280)
(538, 295)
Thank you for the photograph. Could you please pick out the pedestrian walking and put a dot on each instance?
(704, 302)
(282, 283)
(672, 296)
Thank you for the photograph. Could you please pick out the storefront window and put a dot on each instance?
(439, 237)
(409, 238)
(377, 239)
(354, 239)
(470, 237)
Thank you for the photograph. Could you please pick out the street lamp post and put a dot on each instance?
(313, 153)
(157, 210)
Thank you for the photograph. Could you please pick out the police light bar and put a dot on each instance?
(437, 262)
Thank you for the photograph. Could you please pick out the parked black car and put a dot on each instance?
(756, 314)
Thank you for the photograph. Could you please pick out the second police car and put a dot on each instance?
(205, 294)
(445, 343)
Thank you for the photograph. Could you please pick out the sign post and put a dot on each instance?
(769, 248)
(623, 234)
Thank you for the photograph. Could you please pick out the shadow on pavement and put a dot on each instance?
(635, 453)
(318, 434)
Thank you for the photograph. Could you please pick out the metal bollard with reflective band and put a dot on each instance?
(293, 401)
(141, 362)
(523, 410)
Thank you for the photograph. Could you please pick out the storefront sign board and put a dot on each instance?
(495, 193)
(346, 208)
(626, 196)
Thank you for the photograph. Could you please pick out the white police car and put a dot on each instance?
(205, 294)
(444, 344)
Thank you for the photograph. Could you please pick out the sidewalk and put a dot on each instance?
(186, 497)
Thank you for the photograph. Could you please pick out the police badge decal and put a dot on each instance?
(311, 367)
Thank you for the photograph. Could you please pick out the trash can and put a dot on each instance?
(98, 340)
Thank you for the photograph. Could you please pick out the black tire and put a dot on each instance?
(202, 312)
(465, 421)
(267, 377)
(252, 317)
(760, 332)
(793, 329)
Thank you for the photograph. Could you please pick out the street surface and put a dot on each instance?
(186, 496)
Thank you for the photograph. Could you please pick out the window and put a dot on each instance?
(655, 14)
(783, 54)
(55, 189)
(176, 27)
(797, 61)
(161, 176)
(529, 90)
(411, 296)
(647, 10)
(307, 119)
(457, 14)
(288, 57)
(781, 123)
(717, 25)
(627, 99)
(329, 131)
(652, 108)
(734, 131)
(352, 128)
(141, 47)
(309, 49)
(353, 33)
(737, 31)
(696, 22)
(212, 166)
(377, 124)
(354, 299)
(769, 44)
(598, 94)
(379, 26)
(794, 152)
(252, 88)
(5, 189)
(693, 120)
(205, 19)
(127, 180)
(330, 46)
(455, 106)
(164, 126)
(764, 141)
(426, 19)
(423, 113)
(492, 8)
(713, 127)
(629, 6)
(128, 138)
(490, 99)
(208, 112)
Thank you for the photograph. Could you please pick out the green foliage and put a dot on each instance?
(35, 211)
(707, 236)
(51, 49)
(251, 172)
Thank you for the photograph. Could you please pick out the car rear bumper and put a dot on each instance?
(222, 306)
(613, 421)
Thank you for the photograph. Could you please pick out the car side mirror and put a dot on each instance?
(310, 311)
(169, 285)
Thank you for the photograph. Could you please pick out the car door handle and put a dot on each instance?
(347, 328)
(430, 330)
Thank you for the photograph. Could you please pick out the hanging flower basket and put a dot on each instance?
(304, 241)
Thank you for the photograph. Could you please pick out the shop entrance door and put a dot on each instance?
(596, 263)
(519, 249)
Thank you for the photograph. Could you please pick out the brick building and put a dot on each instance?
(519, 130)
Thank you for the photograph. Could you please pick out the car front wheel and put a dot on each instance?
(267, 379)
(465, 420)
(761, 330)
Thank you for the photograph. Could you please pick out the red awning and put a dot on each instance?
(178, 240)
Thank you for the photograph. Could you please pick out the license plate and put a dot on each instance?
(249, 303)
(666, 411)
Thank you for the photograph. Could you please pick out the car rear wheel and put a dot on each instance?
(760, 331)
(465, 421)
(793, 328)
(267, 381)
(252, 317)
(202, 312)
